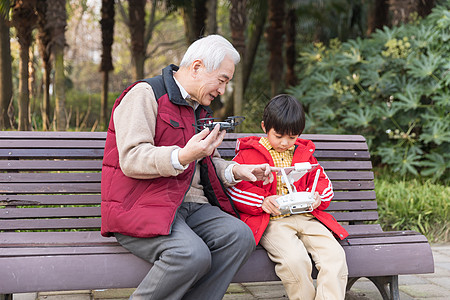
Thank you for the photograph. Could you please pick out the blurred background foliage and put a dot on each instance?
(393, 88)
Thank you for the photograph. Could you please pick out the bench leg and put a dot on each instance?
(6, 296)
(388, 286)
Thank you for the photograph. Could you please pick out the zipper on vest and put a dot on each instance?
(192, 178)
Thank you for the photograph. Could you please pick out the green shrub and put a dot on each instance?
(393, 88)
(406, 203)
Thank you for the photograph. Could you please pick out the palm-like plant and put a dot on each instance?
(24, 19)
(5, 65)
(275, 40)
(106, 65)
(44, 38)
(57, 21)
(238, 22)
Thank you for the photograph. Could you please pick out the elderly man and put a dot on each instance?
(162, 182)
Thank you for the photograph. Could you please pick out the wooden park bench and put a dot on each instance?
(50, 218)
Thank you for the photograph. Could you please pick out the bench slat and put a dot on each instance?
(312, 137)
(73, 199)
(340, 145)
(50, 177)
(319, 154)
(88, 223)
(50, 224)
(41, 251)
(47, 212)
(76, 238)
(57, 135)
(50, 188)
(51, 143)
(64, 212)
(26, 200)
(87, 177)
(90, 187)
(353, 185)
(354, 195)
(357, 216)
(51, 153)
(352, 206)
(346, 165)
(51, 165)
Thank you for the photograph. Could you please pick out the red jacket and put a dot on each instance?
(248, 196)
(147, 207)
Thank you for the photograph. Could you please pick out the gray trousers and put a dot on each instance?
(197, 260)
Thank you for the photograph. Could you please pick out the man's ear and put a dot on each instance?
(263, 127)
(196, 66)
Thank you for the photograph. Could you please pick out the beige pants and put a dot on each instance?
(288, 242)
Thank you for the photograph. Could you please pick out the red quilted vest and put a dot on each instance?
(147, 207)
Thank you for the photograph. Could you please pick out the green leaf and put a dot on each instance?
(410, 163)
(436, 165)
(359, 118)
(437, 132)
(423, 66)
(409, 99)
(442, 98)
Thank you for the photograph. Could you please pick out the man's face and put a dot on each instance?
(211, 84)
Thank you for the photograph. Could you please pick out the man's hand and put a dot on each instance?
(201, 145)
(253, 173)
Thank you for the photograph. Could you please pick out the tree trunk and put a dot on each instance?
(24, 93)
(211, 19)
(275, 41)
(6, 90)
(60, 91)
(378, 16)
(57, 21)
(291, 54)
(401, 9)
(107, 26)
(238, 22)
(45, 109)
(24, 20)
(424, 7)
(194, 16)
(104, 101)
(258, 21)
(44, 43)
(137, 31)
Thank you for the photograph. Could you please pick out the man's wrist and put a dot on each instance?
(229, 176)
(176, 162)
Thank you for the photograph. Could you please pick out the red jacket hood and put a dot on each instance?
(252, 142)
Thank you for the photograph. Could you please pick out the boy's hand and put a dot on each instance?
(317, 200)
(253, 173)
(270, 205)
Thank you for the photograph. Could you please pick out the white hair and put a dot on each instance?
(212, 50)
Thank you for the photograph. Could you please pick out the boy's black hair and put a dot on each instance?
(285, 114)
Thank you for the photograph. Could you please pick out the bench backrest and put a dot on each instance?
(51, 180)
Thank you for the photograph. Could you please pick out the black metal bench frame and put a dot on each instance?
(50, 217)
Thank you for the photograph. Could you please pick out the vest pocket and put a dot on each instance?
(170, 130)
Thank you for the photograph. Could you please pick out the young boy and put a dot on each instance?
(289, 238)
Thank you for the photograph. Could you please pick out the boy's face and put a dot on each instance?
(280, 142)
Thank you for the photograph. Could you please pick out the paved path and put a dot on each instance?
(434, 286)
